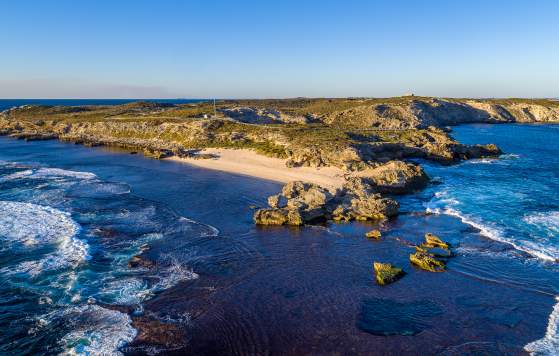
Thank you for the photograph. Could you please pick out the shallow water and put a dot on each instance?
(226, 286)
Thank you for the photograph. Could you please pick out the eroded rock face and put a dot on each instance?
(396, 177)
(300, 203)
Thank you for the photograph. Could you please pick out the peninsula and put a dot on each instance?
(349, 152)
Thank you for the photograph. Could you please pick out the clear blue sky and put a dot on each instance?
(237, 49)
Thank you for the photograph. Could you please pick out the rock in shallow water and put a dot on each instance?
(427, 261)
(385, 273)
(374, 234)
(432, 241)
(301, 203)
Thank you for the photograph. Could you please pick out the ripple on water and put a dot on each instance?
(388, 317)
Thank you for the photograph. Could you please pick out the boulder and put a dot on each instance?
(374, 234)
(271, 216)
(385, 273)
(432, 241)
(427, 261)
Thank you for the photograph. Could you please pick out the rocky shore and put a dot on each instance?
(369, 140)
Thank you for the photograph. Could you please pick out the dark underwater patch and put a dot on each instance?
(386, 317)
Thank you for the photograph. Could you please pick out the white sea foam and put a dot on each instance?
(448, 206)
(174, 273)
(548, 221)
(482, 161)
(48, 173)
(500, 160)
(95, 330)
(549, 344)
(35, 225)
(130, 291)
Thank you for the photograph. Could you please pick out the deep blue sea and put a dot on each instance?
(9, 103)
(72, 217)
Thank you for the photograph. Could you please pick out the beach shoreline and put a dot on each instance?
(249, 163)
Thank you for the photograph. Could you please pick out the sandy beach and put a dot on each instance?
(249, 163)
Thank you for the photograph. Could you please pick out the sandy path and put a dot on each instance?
(247, 162)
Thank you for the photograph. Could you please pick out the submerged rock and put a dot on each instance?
(140, 261)
(155, 332)
(385, 273)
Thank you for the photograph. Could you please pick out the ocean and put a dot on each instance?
(9, 103)
(72, 217)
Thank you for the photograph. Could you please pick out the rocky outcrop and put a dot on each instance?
(359, 200)
(300, 203)
(396, 177)
(432, 241)
(253, 115)
(297, 204)
(374, 234)
(385, 273)
(431, 254)
(425, 112)
(427, 261)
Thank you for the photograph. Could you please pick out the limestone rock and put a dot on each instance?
(432, 241)
(385, 273)
(427, 261)
(374, 234)
(396, 177)
(301, 202)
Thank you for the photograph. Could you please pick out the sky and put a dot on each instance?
(277, 49)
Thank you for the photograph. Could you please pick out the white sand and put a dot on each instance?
(249, 163)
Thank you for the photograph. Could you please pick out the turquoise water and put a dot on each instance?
(513, 199)
(66, 239)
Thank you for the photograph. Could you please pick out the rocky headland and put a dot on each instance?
(369, 142)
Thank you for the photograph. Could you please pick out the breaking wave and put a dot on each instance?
(443, 204)
(70, 236)
(549, 344)
(548, 222)
(34, 226)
